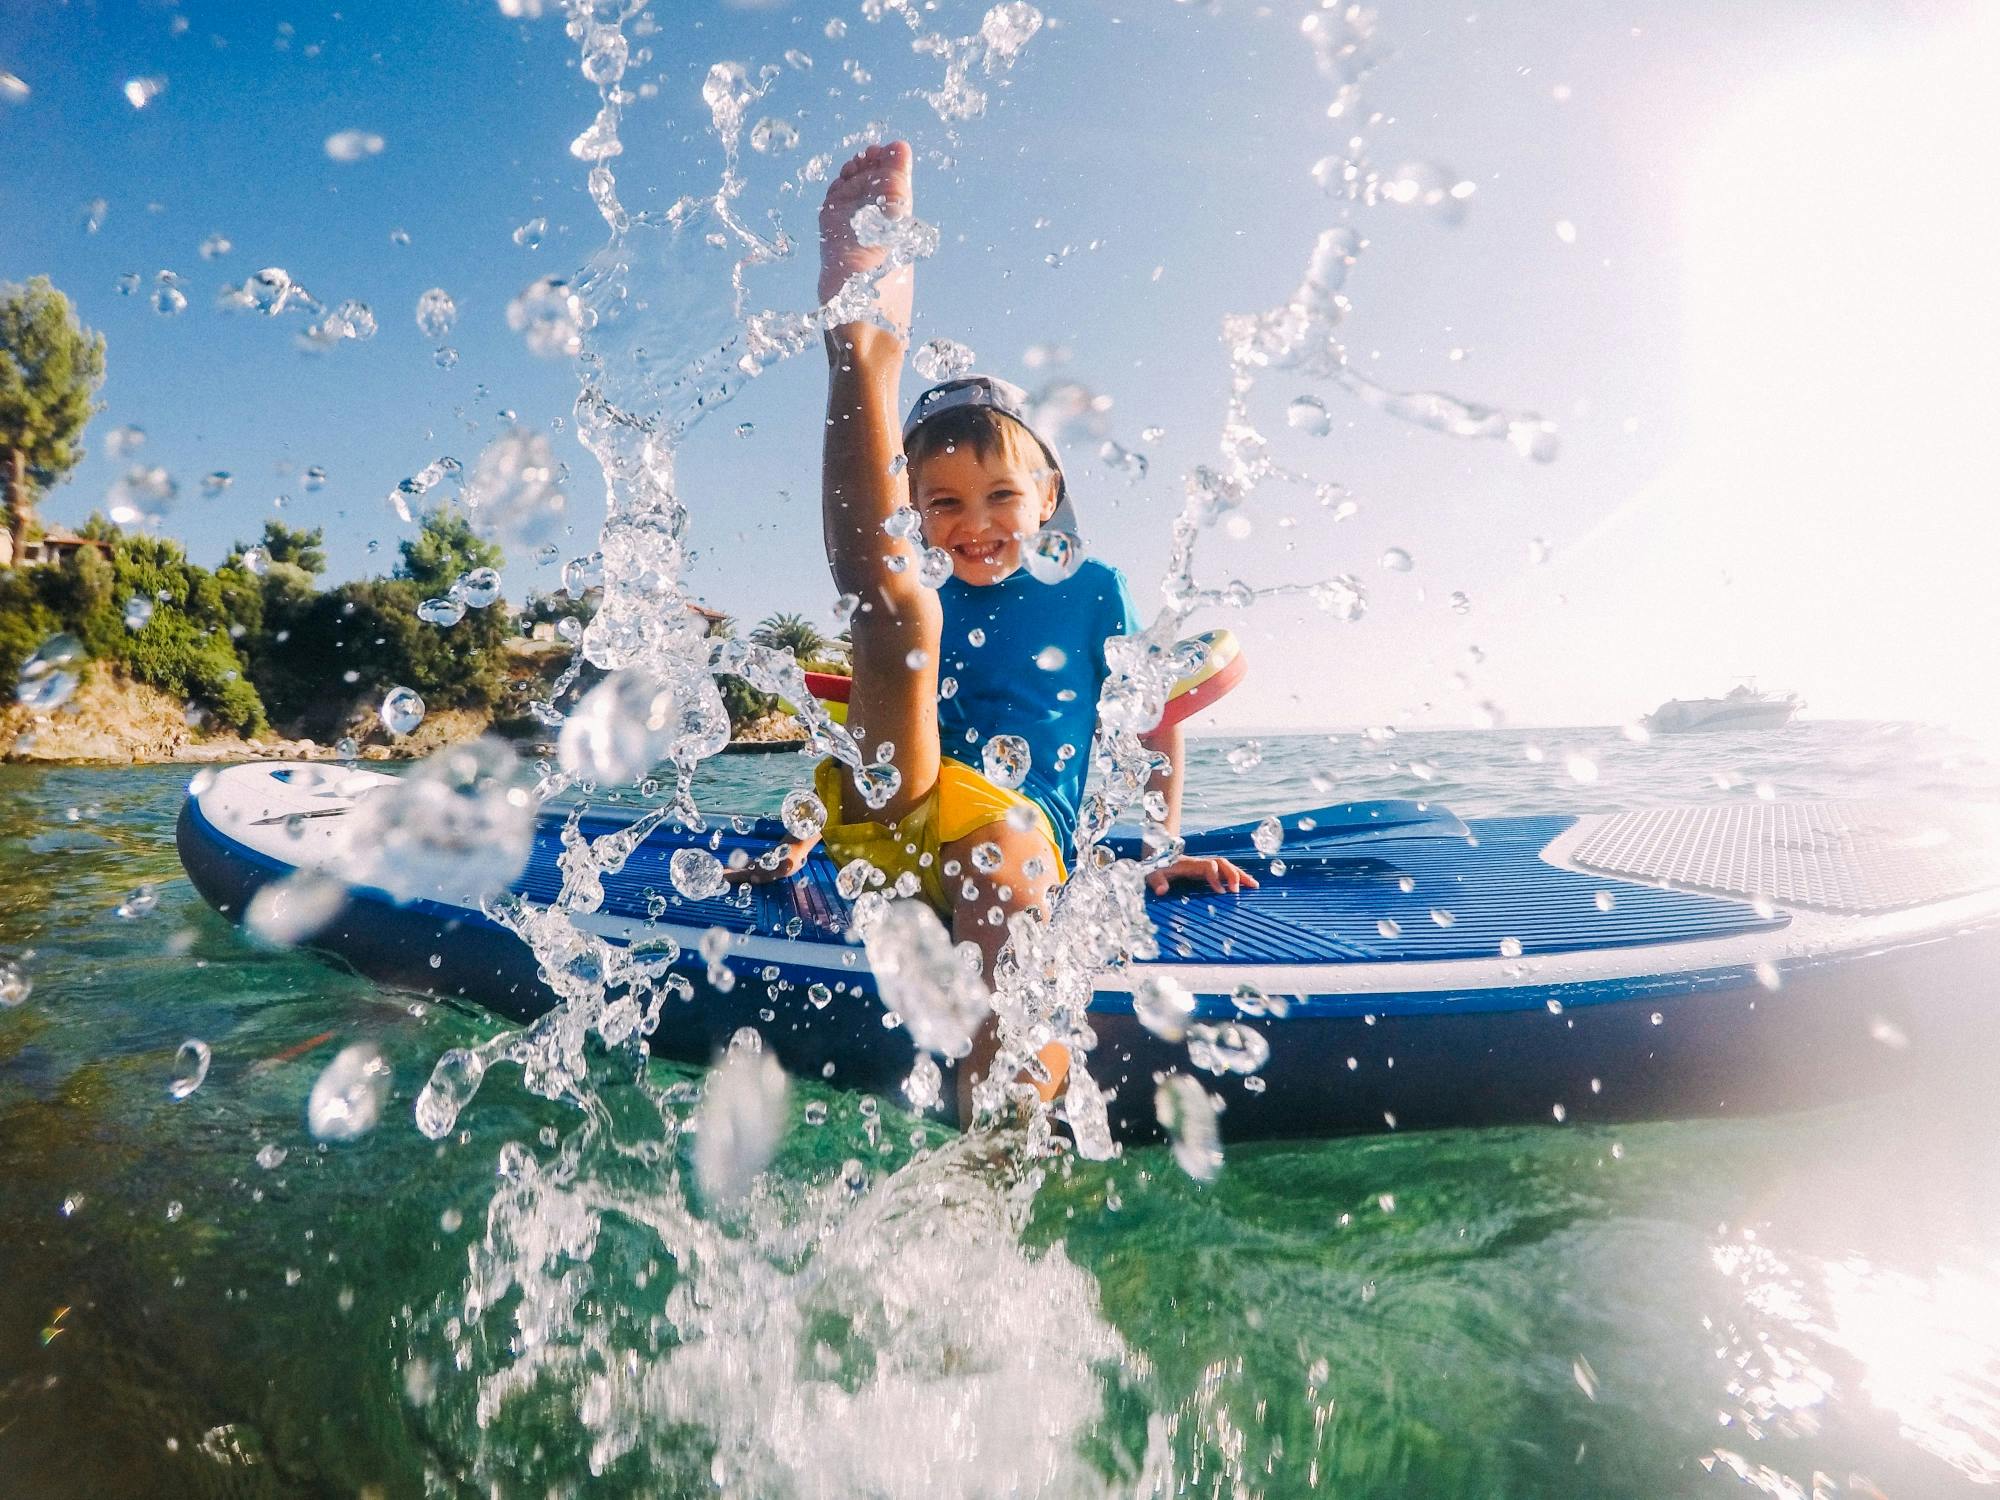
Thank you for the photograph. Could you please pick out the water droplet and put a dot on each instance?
(1538, 550)
(1580, 1370)
(551, 317)
(140, 901)
(1051, 658)
(15, 985)
(1582, 769)
(1005, 759)
(168, 298)
(190, 1068)
(1122, 460)
(436, 312)
(1604, 900)
(287, 912)
(1052, 555)
(804, 815)
(347, 1097)
(1396, 560)
(835, 29)
(140, 92)
(1246, 756)
(138, 610)
(272, 1156)
(975, 637)
(943, 359)
(514, 499)
(986, 858)
(771, 135)
(353, 145)
(934, 567)
(1460, 602)
(1268, 836)
(821, 997)
(1308, 414)
(1389, 927)
(1768, 975)
(1442, 917)
(213, 484)
(441, 611)
(1566, 231)
(215, 246)
(529, 235)
(1187, 1114)
(1227, 1048)
(697, 874)
(479, 588)
(740, 1119)
(454, 1079)
(402, 710)
(1510, 947)
(141, 497)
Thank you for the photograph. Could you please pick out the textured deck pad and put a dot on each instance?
(1853, 857)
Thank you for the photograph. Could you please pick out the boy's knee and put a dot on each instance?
(1006, 866)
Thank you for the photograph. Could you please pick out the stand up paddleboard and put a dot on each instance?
(1430, 971)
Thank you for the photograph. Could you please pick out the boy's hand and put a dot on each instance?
(1218, 872)
(780, 862)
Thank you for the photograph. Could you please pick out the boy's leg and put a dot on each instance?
(897, 625)
(976, 896)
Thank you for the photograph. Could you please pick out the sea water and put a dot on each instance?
(337, 1238)
(202, 1297)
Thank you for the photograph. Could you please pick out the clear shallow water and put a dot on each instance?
(1549, 1312)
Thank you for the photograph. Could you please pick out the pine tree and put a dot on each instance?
(50, 369)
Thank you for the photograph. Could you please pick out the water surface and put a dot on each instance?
(1664, 1309)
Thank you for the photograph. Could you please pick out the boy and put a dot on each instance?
(940, 671)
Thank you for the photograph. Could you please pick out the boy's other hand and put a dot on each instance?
(780, 862)
(1216, 872)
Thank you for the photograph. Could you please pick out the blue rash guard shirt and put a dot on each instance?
(1011, 683)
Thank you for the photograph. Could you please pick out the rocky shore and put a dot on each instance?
(111, 720)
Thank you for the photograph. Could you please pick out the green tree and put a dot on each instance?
(792, 632)
(25, 622)
(50, 369)
(293, 545)
(444, 548)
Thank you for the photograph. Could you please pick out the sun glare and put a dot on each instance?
(1833, 519)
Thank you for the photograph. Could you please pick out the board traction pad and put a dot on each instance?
(1851, 858)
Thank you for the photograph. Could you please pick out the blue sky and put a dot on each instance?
(1176, 137)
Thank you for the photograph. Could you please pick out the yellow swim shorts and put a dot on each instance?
(962, 801)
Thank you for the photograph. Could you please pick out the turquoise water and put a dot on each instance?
(1667, 1309)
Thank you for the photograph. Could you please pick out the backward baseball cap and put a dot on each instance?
(1009, 400)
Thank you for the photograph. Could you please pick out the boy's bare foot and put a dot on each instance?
(878, 175)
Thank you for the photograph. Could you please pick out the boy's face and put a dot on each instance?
(982, 510)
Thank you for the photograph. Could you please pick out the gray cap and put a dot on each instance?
(1009, 400)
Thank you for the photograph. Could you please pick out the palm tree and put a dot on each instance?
(792, 632)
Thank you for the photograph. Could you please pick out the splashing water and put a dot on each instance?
(51, 674)
(928, 1391)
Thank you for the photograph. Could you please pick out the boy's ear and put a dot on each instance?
(1049, 495)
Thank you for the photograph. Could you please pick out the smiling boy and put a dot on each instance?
(940, 672)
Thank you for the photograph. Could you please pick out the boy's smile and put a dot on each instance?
(981, 510)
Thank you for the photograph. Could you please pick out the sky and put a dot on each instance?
(1735, 253)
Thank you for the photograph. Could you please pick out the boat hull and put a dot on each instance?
(1664, 1029)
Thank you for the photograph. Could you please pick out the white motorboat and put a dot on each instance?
(1743, 708)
